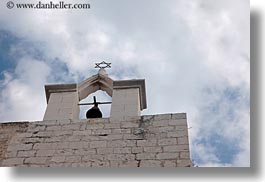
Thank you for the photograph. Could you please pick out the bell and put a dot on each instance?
(94, 112)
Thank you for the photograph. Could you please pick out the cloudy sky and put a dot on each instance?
(194, 56)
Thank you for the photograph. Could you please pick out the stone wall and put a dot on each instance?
(145, 141)
(7, 131)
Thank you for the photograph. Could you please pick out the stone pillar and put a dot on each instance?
(128, 99)
(62, 102)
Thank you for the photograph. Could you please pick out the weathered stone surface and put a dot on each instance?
(117, 143)
(43, 153)
(113, 157)
(160, 123)
(178, 122)
(143, 156)
(167, 141)
(184, 163)
(170, 163)
(78, 145)
(94, 126)
(118, 131)
(131, 163)
(122, 150)
(13, 162)
(36, 160)
(74, 158)
(11, 154)
(98, 144)
(19, 147)
(101, 131)
(29, 153)
(45, 146)
(167, 156)
(71, 127)
(176, 148)
(54, 128)
(104, 150)
(83, 152)
(152, 149)
(129, 124)
(112, 126)
(183, 140)
(163, 117)
(58, 159)
(149, 141)
(150, 163)
(184, 155)
(137, 149)
(179, 116)
(82, 133)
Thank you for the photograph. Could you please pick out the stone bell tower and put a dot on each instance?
(125, 139)
(128, 96)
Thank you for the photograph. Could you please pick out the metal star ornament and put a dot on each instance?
(103, 64)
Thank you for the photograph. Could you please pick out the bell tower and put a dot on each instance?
(128, 96)
(122, 140)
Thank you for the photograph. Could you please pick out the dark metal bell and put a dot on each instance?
(94, 112)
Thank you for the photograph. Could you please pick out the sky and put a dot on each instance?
(194, 56)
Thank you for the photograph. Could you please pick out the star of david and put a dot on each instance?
(103, 64)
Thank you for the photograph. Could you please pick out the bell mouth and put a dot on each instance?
(94, 112)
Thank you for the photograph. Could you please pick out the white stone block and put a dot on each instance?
(184, 155)
(36, 160)
(131, 163)
(28, 153)
(150, 163)
(152, 149)
(94, 126)
(145, 156)
(74, 158)
(104, 150)
(58, 159)
(43, 153)
(178, 122)
(129, 124)
(170, 163)
(167, 141)
(16, 147)
(98, 144)
(176, 148)
(137, 150)
(160, 123)
(116, 143)
(184, 163)
(78, 145)
(12, 162)
(183, 140)
(147, 143)
(54, 128)
(113, 157)
(179, 116)
(118, 131)
(123, 150)
(167, 156)
(83, 152)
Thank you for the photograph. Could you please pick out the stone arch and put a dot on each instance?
(97, 82)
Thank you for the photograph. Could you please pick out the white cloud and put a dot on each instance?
(22, 95)
(182, 48)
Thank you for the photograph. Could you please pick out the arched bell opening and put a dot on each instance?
(100, 86)
(87, 104)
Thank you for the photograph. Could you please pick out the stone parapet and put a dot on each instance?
(144, 141)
